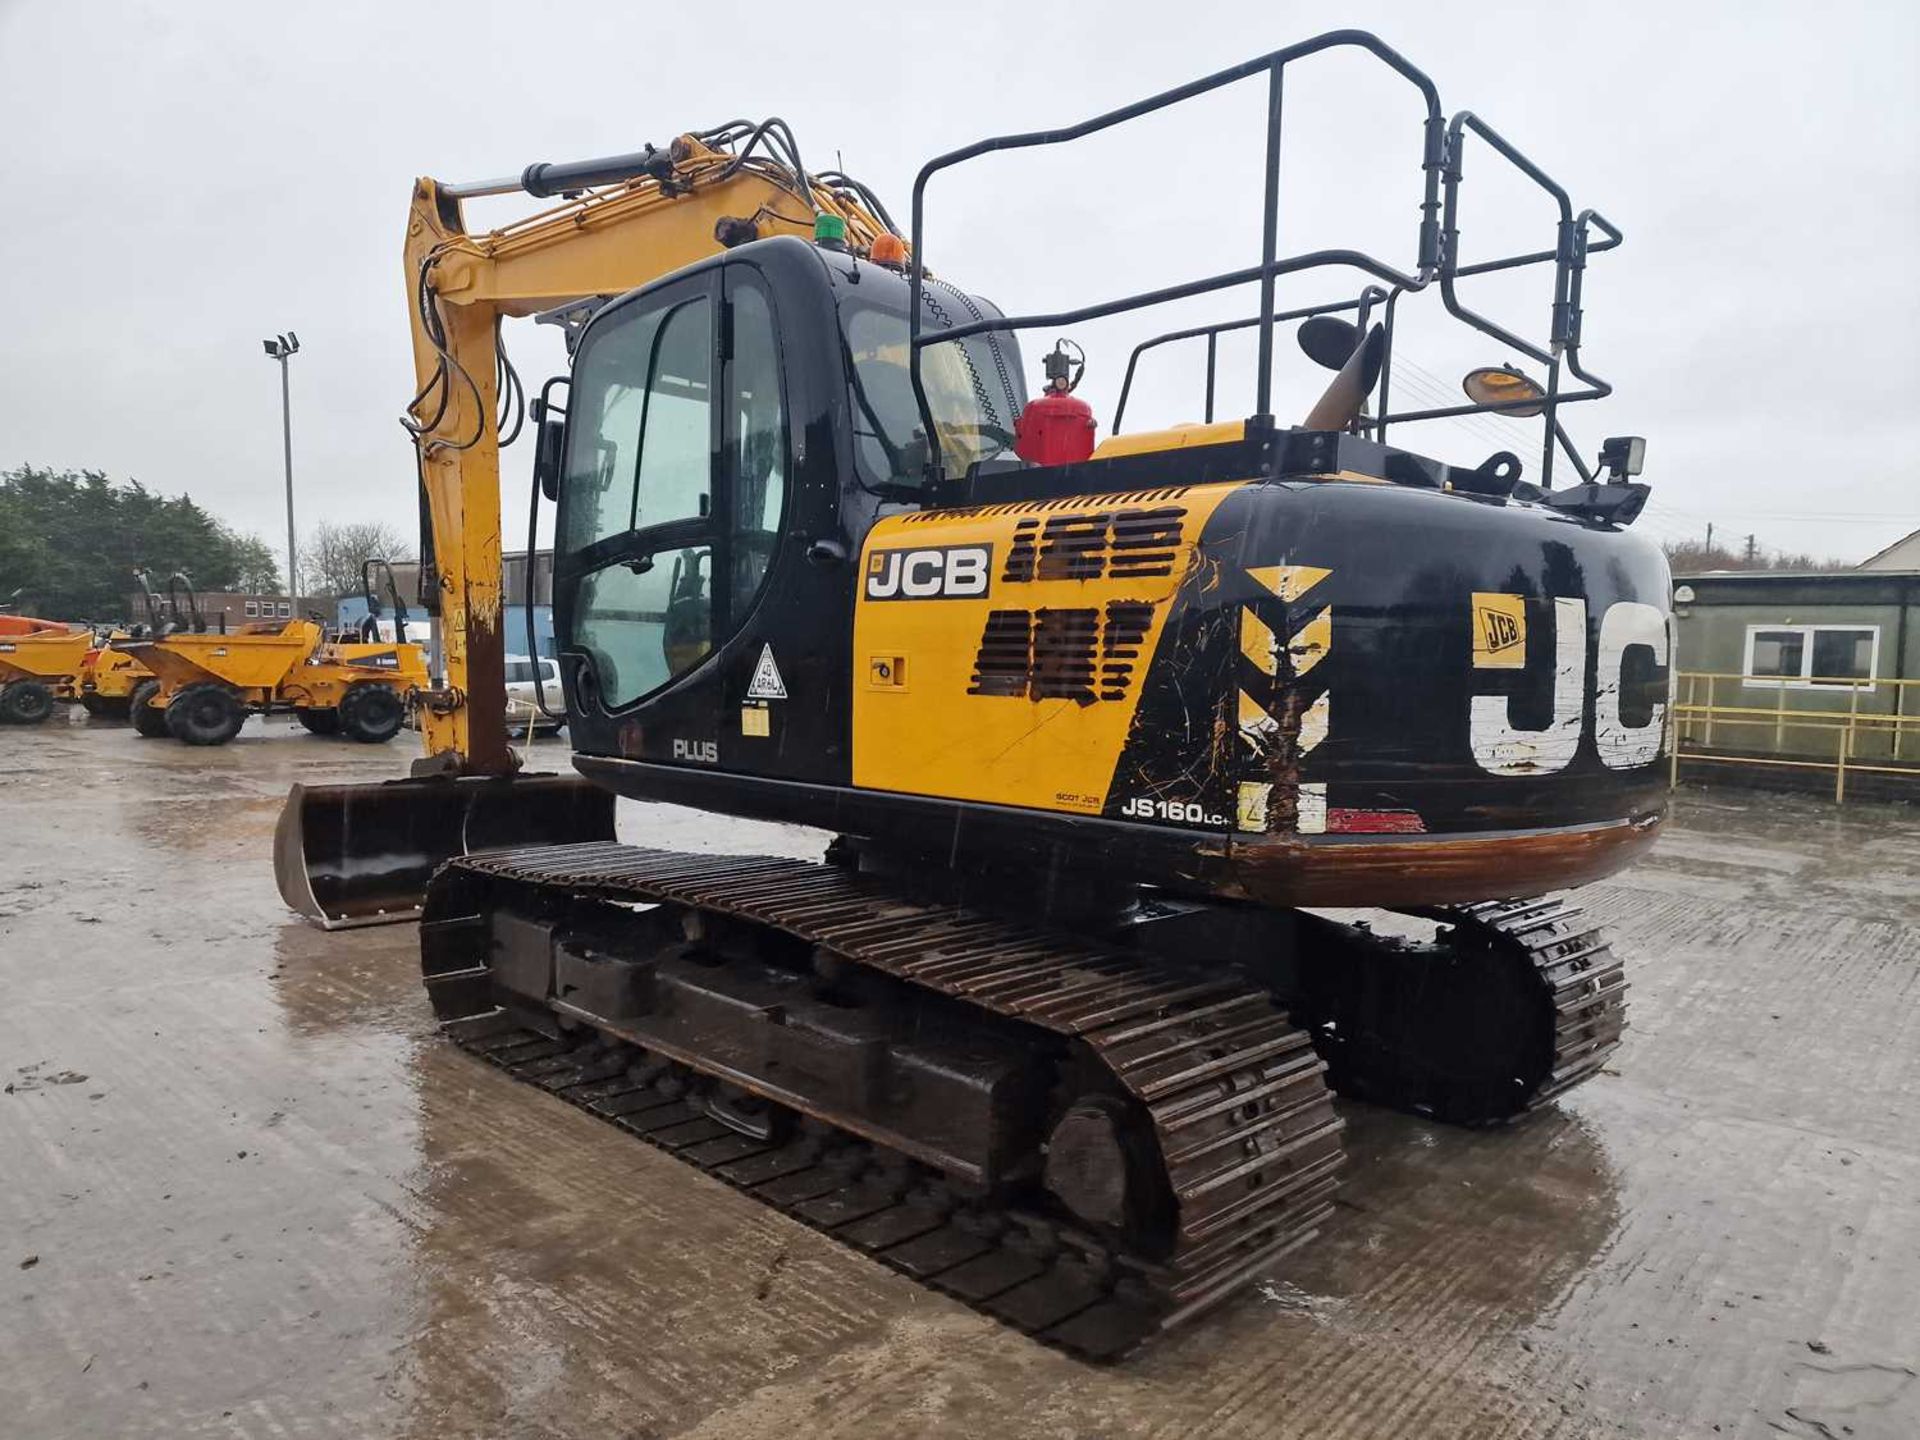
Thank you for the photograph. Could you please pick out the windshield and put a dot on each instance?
(973, 387)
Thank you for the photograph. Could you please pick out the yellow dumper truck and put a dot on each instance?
(40, 661)
(204, 686)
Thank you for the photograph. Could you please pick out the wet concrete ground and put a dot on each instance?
(245, 1191)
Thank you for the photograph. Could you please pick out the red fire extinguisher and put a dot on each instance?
(1057, 427)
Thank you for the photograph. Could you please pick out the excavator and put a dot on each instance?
(1113, 737)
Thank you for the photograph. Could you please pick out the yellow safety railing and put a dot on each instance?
(1815, 724)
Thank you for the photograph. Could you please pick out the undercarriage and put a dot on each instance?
(1092, 1131)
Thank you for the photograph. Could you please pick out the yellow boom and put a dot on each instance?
(362, 854)
(691, 202)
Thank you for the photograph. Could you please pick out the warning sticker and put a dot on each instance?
(1499, 631)
(767, 684)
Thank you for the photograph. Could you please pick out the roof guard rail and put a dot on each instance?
(1436, 258)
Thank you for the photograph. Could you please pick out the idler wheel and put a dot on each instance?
(1102, 1165)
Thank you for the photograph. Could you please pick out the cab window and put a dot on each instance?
(638, 453)
(973, 388)
(756, 447)
(677, 501)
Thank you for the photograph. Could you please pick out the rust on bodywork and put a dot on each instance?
(1408, 870)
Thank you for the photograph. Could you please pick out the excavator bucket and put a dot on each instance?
(348, 855)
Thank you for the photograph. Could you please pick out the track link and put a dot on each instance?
(1242, 1124)
(1582, 977)
(1518, 1002)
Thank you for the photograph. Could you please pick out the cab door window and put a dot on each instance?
(645, 621)
(640, 451)
(672, 505)
(637, 499)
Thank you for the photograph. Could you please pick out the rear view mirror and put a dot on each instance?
(1328, 340)
(546, 457)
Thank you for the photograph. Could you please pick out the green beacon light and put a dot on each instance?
(830, 231)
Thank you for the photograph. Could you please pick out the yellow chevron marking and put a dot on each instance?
(1254, 720)
(1258, 642)
(1289, 582)
(1251, 812)
(1311, 641)
(1313, 725)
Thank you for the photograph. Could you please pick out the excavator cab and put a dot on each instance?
(730, 436)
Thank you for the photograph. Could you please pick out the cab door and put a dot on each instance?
(681, 612)
(637, 539)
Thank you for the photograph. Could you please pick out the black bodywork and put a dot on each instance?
(1406, 557)
(1405, 563)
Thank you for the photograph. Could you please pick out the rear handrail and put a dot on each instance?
(1363, 304)
(1443, 143)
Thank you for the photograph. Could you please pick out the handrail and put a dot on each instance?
(1569, 264)
(1273, 65)
(1848, 724)
(1437, 257)
(1219, 328)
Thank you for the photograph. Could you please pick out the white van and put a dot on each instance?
(522, 708)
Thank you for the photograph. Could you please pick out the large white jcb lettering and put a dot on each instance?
(1623, 746)
(1502, 748)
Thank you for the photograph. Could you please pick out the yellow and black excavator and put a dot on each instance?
(1052, 1028)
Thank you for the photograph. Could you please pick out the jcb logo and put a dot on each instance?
(1499, 631)
(945, 572)
(1504, 749)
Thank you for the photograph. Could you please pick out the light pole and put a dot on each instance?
(283, 348)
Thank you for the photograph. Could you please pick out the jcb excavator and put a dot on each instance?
(1049, 1028)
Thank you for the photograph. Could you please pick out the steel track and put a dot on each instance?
(1242, 1122)
(1515, 1003)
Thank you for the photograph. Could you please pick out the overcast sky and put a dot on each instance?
(181, 179)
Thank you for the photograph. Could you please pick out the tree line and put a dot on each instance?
(1692, 557)
(70, 541)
